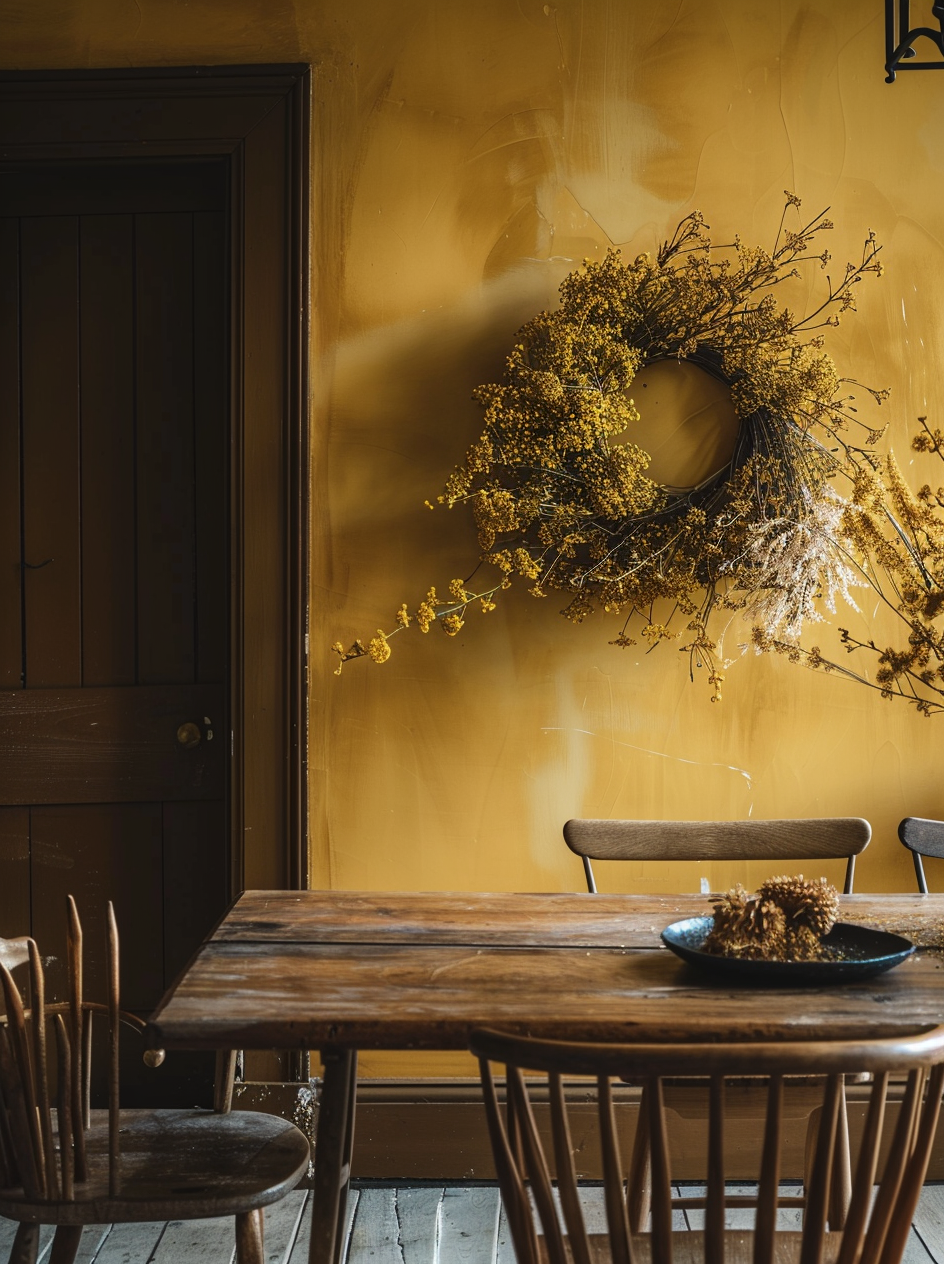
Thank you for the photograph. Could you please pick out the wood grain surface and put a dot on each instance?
(318, 917)
(166, 594)
(416, 1230)
(106, 338)
(11, 575)
(50, 430)
(107, 745)
(444, 917)
(177, 1164)
(817, 838)
(428, 968)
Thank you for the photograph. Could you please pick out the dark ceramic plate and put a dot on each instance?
(859, 952)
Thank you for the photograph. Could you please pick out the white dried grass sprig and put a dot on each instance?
(796, 564)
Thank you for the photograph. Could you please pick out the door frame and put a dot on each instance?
(258, 117)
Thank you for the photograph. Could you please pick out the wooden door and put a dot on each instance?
(114, 562)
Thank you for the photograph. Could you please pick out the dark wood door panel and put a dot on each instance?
(254, 122)
(164, 866)
(50, 427)
(114, 541)
(110, 745)
(160, 117)
(170, 420)
(195, 878)
(11, 572)
(106, 268)
(210, 441)
(96, 853)
(14, 872)
(165, 469)
(85, 188)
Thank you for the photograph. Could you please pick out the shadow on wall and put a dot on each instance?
(402, 416)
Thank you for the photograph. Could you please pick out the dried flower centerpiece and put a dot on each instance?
(785, 920)
(560, 492)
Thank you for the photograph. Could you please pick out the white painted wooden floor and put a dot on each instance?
(404, 1225)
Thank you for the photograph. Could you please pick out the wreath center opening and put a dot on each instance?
(687, 423)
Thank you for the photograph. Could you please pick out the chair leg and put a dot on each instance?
(25, 1244)
(809, 1151)
(223, 1080)
(249, 1241)
(333, 1146)
(840, 1186)
(640, 1170)
(347, 1155)
(65, 1245)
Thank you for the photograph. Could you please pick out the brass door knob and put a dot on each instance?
(188, 734)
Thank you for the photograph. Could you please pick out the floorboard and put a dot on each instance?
(469, 1225)
(282, 1224)
(915, 1251)
(418, 1212)
(743, 1217)
(929, 1221)
(299, 1253)
(94, 1238)
(424, 1224)
(129, 1244)
(375, 1234)
(505, 1252)
(197, 1242)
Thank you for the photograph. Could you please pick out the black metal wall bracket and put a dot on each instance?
(900, 38)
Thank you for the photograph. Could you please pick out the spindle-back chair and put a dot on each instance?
(63, 1163)
(922, 838)
(815, 838)
(875, 1230)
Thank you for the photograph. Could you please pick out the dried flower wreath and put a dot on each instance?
(560, 494)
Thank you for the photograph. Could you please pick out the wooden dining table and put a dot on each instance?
(342, 971)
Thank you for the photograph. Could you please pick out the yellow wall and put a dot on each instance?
(465, 157)
(488, 148)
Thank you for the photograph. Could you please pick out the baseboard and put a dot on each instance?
(435, 1129)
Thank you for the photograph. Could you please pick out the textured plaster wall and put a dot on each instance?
(465, 157)
(487, 150)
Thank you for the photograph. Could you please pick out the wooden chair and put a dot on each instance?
(873, 1233)
(820, 838)
(74, 1166)
(922, 838)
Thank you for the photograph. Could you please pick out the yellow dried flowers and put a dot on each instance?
(560, 494)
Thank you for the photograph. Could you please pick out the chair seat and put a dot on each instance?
(177, 1165)
(689, 1248)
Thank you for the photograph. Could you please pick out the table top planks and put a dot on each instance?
(443, 917)
(421, 970)
(424, 918)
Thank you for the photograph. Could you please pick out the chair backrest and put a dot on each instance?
(874, 1232)
(922, 838)
(817, 838)
(28, 1156)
